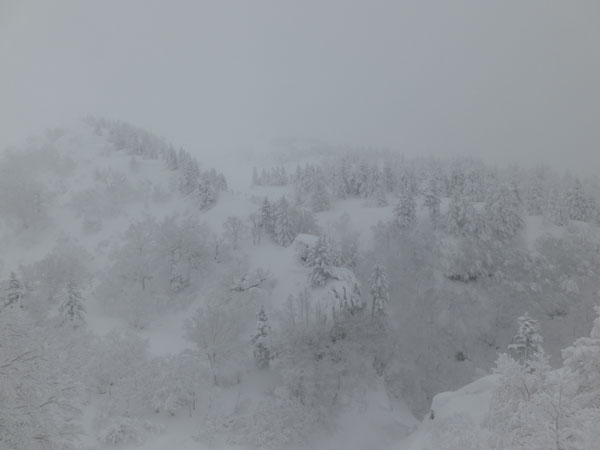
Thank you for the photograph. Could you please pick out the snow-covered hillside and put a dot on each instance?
(302, 299)
(525, 404)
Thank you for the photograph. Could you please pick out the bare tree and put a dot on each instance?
(234, 230)
(214, 331)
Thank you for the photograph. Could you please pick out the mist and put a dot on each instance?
(506, 81)
(299, 225)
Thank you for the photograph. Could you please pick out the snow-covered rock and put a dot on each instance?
(463, 409)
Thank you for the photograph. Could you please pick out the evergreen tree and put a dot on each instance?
(503, 212)
(320, 197)
(457, 182)
(559, 208)
(578, 205)
(473, 187)
(321, 259)
(262, 353)
(205, 194)
(405, 212)
(433, 202)
(284, 230)
(363, 179)
(535, 195)
(389, 177)
(267, 220)
(72, 308)
(372, 177)
(408, 180)
(379, 289)
(303, 180)
(14, 292)
(379, 191)
(254, 177)
(189, 173)
(527, 343)
(171, 159)
(459, 215)
(344, 289)
(339, 179)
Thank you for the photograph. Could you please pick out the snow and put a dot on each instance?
(282, 263)
(306, 239)
(471, 401)
(352, 215)
(377, 423)
(537, 227)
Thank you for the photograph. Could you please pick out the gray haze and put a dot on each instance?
(506, 80)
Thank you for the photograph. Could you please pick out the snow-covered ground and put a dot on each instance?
(95, 193)
(469, 405)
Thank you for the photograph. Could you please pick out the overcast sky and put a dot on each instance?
(506, 80)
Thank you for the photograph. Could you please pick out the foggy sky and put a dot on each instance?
(505, 80)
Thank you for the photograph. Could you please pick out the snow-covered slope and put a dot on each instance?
(456, 419)
(162, 252)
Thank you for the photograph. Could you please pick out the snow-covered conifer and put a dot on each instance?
(170, 157)
(205, 194)
(389, 177)
(320, 258)
(457, 181)
(535, 196)
(460, 213)
(379, 289)
(558, 207)
(14, 292)
(578, 205)
(433, 202)
(364, 175)
(503, 211)
(379, 191)
(344, 287)
(189, 173)
(262, 352)
(527, 343)
(339, 180)
(284, 231)
(319, 199)
(72, 307)
(373, 176)
(405, 212)
(267, 219)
